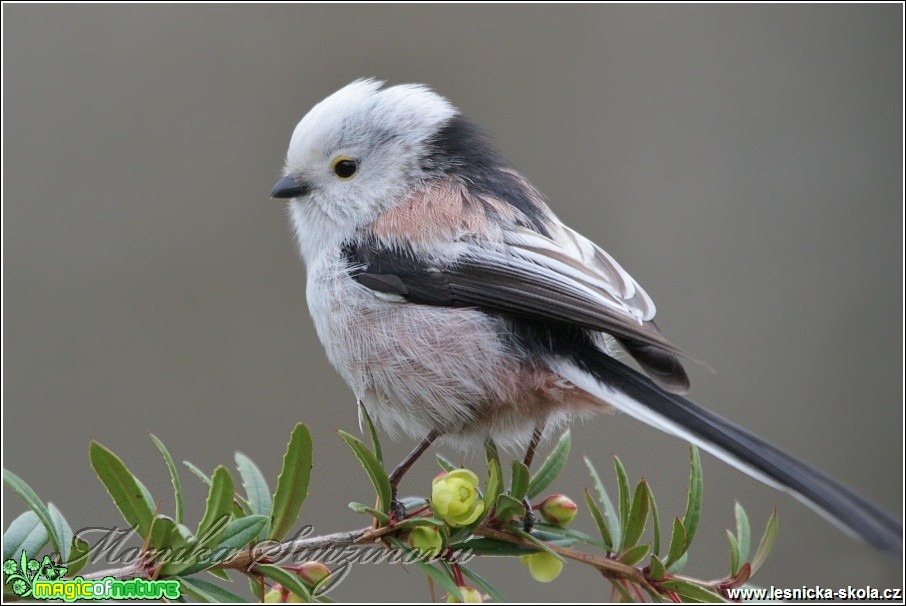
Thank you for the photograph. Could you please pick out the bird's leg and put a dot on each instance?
(396, 508)
(528, 522)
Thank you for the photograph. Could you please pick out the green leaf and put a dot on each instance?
(445, 463)
(362, 508)
(292, 483)
(25, 492)
(217, 507)
(624, 495)
(79, 554)
(375, 443)
(440, 576)
(552, 466)
(234, 537)
(414, 522)
(767, 541)
(690, 591)
(534, 540)
(495, 475)
(613, 520)
(520, 484)
(677, 567)
(25, 532)
(205, 591)
(655, 522)
(483, 585)
(219, 573)
(677, 542)
(491, 547)
(576, 535)
(239, 533)
(634, 555)
(734, 553)
(163, 530)
(743, 533)
(508, 508)
(62, 530)
(599, 521)
(257, 491)
(174, 477)
(694, 501)
(624, 593)
(124, 488)
(657, 570)
(376, 472)
(288, 580)
(638, 516)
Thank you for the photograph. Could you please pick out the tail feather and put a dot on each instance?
(635, 394)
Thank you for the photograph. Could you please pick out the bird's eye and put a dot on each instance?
(345, 167)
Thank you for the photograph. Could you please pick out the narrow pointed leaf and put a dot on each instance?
(375, 443)
(634, 555)
(289, 580)
(440, 576)
(124, 488)
(292, 483)
(520, 484)
(694, 501)
(257, 492)
(690, 591)
(767, 541)
(62, 530)
(677, 543)
(376, 472)
(79, 554)
(624, 593)
(491, 547)
(495, 475)
(483, 585)
(508, 508)
(217, 507)
(656, 569)
(638, 516)
(27, 533)
(610, 512)
(534, 540)
(362, 508)
(677, 567)
(743, 533)
(599, 521)
(163, 530)
(445, 463)
(551, 467)
(205, 591)
(573, 534)
(655, 523)
(624, 494)
(174, 478)
(236, 535)
(734, 553)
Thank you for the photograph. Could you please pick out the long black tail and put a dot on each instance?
(635, 394)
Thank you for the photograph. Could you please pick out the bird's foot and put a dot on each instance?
(397, 510)
(528, 521)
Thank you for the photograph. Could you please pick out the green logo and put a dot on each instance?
(44, 581)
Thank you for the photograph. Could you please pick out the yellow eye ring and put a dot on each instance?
(345, 167)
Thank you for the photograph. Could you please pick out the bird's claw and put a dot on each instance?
(528, 521)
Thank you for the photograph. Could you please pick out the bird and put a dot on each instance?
(455, 304)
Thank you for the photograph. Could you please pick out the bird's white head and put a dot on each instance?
(358, 151)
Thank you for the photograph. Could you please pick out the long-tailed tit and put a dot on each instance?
(454, 302)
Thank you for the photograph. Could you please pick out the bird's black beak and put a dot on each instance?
(288, 187)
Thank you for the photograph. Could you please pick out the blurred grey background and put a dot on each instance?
(743, 162)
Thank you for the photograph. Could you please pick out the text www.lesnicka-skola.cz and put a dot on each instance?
(812, 594)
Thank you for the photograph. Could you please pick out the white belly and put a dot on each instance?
(415, 367)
